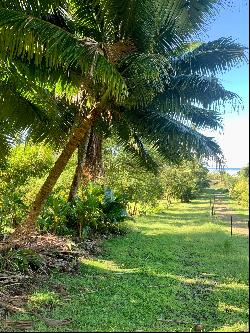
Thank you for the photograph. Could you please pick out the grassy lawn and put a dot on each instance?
(175, 269)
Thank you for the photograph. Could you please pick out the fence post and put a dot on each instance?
(231, 225)
(212, 210)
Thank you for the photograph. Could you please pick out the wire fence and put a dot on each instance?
(212, 201)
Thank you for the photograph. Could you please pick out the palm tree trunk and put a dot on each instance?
(28, 226)
(82, 150)
(93, 167)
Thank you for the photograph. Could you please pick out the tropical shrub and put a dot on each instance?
(240, 188)
(95, 210)
(24, 163)
(221, 180)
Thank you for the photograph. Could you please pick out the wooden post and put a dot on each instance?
(231, 225)
(214, 198)
(210, 202)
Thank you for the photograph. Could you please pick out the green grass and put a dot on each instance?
(177, 266)
(242, 212)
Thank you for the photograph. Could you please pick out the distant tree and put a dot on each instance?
(244, 171)
(185, 181)
(240, 187)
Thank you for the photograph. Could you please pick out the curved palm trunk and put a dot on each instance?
(28, 226)
(81, 156)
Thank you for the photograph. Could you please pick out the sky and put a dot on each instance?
(233, 22)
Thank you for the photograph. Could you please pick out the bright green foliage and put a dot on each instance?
(236, 185)
(240, 188)
(96, 210)
(18, 177)
(185, 181)
(221, 180)
(139, 188)
(244, 172)
(26, 161)
(28, 103)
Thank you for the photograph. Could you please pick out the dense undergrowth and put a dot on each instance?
(126, 189)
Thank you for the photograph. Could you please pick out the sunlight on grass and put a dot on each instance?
(227, 308)
(234, 286)
(180, 265)
(42, 298)
(237, 327)
(107, 265)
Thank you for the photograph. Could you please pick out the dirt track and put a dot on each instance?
(223, 212)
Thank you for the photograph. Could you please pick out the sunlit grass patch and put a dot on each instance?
(230, 308)
(43, 299)
(107, 265)
(237, 327)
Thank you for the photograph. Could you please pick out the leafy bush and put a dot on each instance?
(21, 176)
(27, 161)
(240, 188)
(221, 180)
(23, 163)
(237, 185)
(138, 188)
(95, 210)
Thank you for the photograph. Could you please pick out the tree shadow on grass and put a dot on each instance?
(164, 282)
(168, 279)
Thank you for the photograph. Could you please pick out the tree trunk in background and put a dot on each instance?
(28, 226)
(81, 157)
(93, 167)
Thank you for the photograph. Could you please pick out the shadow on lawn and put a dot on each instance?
(164, 283)
(189, 282)
(153, 279)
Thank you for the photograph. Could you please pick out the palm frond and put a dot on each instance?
(211, 58)
(174, 140)
(188, 113)
(202, 90)
(31, 6)
(179, 19)
(145, 75)
(23, 35)
(133, 144)
(48, 120)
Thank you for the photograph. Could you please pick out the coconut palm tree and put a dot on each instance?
(137, 68)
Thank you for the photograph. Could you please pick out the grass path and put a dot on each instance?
(176, 268)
